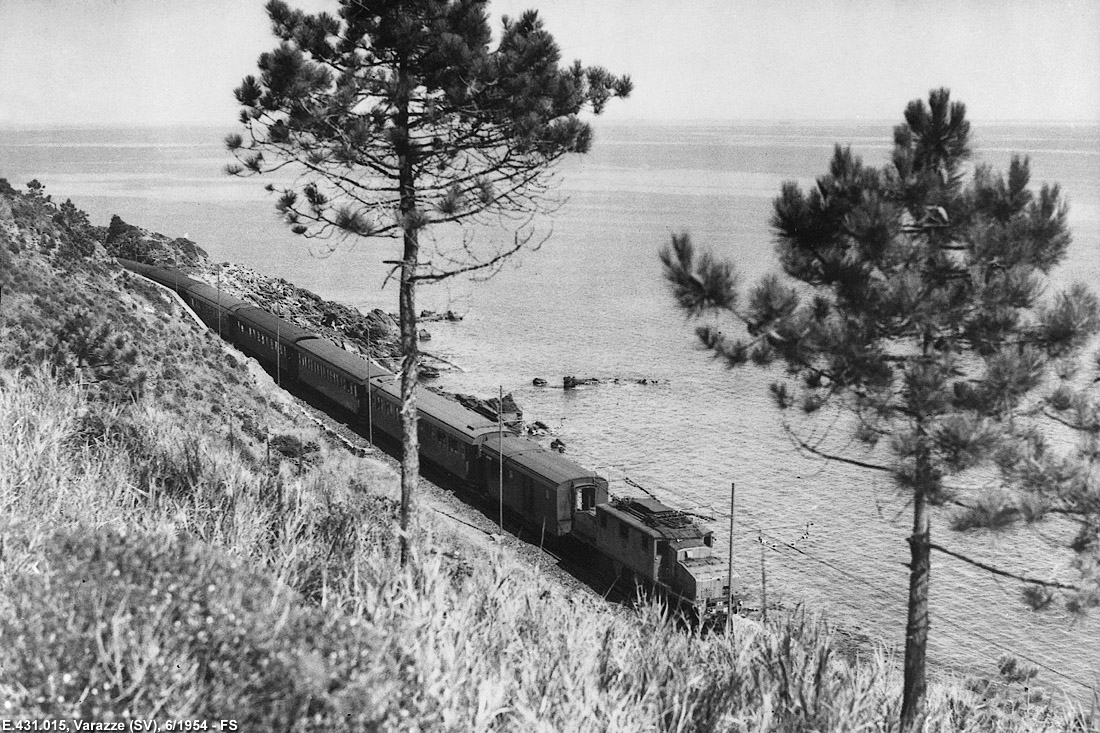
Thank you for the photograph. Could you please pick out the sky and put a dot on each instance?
(162, 62)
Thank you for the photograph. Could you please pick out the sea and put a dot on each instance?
(587, 299)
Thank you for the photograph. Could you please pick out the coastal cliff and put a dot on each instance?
(181, 540)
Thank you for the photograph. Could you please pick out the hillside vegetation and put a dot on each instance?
(177, 541)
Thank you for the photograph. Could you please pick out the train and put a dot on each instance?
(639, 539)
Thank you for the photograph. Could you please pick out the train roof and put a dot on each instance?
(138, 267)
(655, 518)
(352, 365)
(213, 295)
(167, 276)
(438, 408)
(529, 455)
(273, 325)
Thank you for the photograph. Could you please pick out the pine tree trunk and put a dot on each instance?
(916, 632)
(410, 456)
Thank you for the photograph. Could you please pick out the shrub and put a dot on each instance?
(124, 625)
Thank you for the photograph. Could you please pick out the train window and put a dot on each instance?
(624, 529)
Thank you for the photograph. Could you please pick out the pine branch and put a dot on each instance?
(1076, 426)
(1003, 573)
(829, 456)
(500, 257)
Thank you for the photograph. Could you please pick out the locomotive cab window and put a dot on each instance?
(586, 497)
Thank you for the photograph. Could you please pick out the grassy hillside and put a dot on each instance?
(176, 541)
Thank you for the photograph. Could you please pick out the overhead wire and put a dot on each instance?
(879, 594)
(950, 622)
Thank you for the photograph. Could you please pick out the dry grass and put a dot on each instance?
(148, 569)
(157, 560)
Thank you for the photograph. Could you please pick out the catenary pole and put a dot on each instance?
(500, 448)
(729, 570)
(370, 397)
(763, 580)
(219, 289)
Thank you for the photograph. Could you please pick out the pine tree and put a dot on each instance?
(401, 115)
(919, 309)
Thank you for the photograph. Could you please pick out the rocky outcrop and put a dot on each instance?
(508, 409)
(429, 316)
(570, 382)
(134, 243)
(375, 332)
